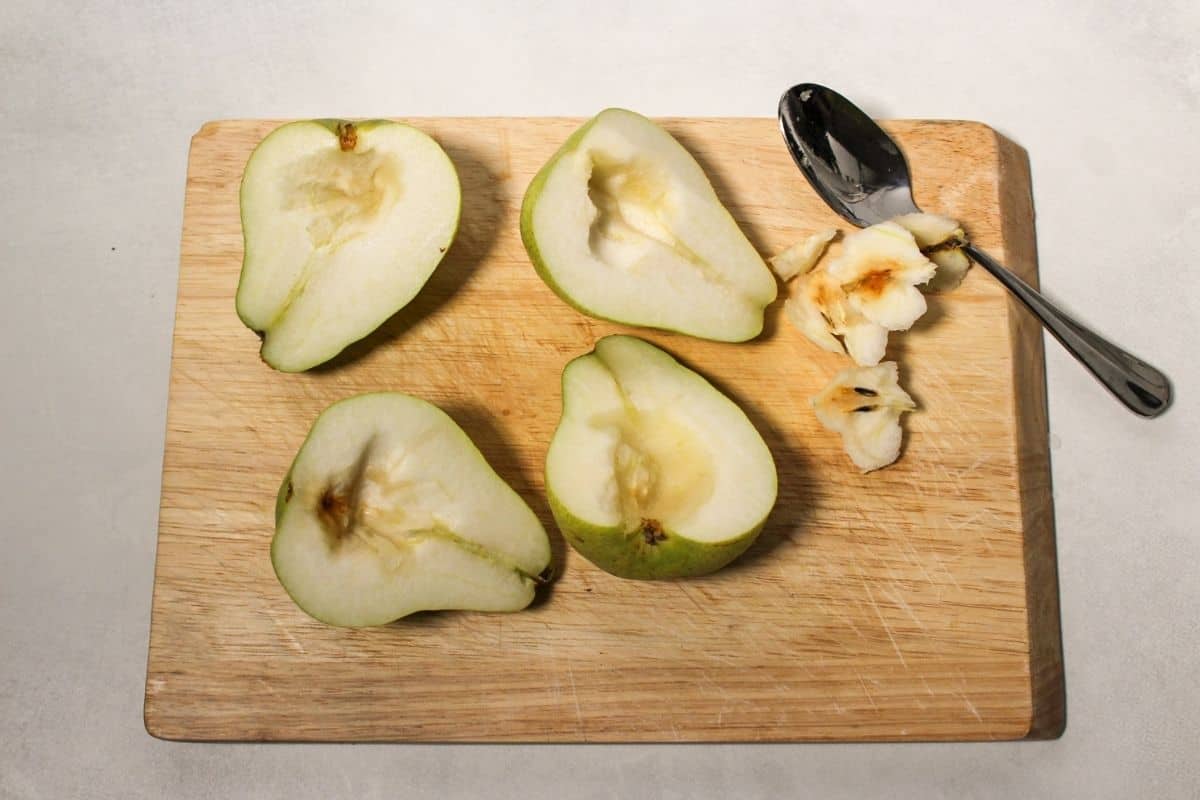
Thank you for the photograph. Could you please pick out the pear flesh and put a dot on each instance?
(623, 224)
(652, 472)
(343, 224)
(389, 509)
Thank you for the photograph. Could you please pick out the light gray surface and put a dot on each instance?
(97, 103)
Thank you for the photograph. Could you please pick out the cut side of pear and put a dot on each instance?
(389, 509)
(652, 472)
(343, 224)
(623, 224)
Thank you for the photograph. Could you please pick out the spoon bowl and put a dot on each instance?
(850, 161)
(860, 172)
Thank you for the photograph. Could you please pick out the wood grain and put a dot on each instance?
(919, 602)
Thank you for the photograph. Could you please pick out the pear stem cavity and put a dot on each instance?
(347, 136)
(339, 503)
(652, 532)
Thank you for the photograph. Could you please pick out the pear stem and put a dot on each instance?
(347, 136)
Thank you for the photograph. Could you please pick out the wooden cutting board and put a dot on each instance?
(919, 602)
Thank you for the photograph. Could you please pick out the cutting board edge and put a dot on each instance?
(151, 719)
(1047, 673)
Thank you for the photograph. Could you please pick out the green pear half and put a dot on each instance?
(623, 224)
(652, 472)
(343, 224)
(389, 509)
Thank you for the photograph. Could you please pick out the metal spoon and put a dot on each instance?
(861, 173)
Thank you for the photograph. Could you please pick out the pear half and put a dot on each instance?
(389, 508)
(623, 224)
(652, 472)
(343, 224)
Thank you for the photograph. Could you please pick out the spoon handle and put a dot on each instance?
(1142, 388)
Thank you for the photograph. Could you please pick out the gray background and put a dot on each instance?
(97, 102)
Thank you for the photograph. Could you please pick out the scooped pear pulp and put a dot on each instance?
(851, 302)
(623, 224)
(864, 405)
(941, 239)
(343, 224)
(652, 472)
(390, 509)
